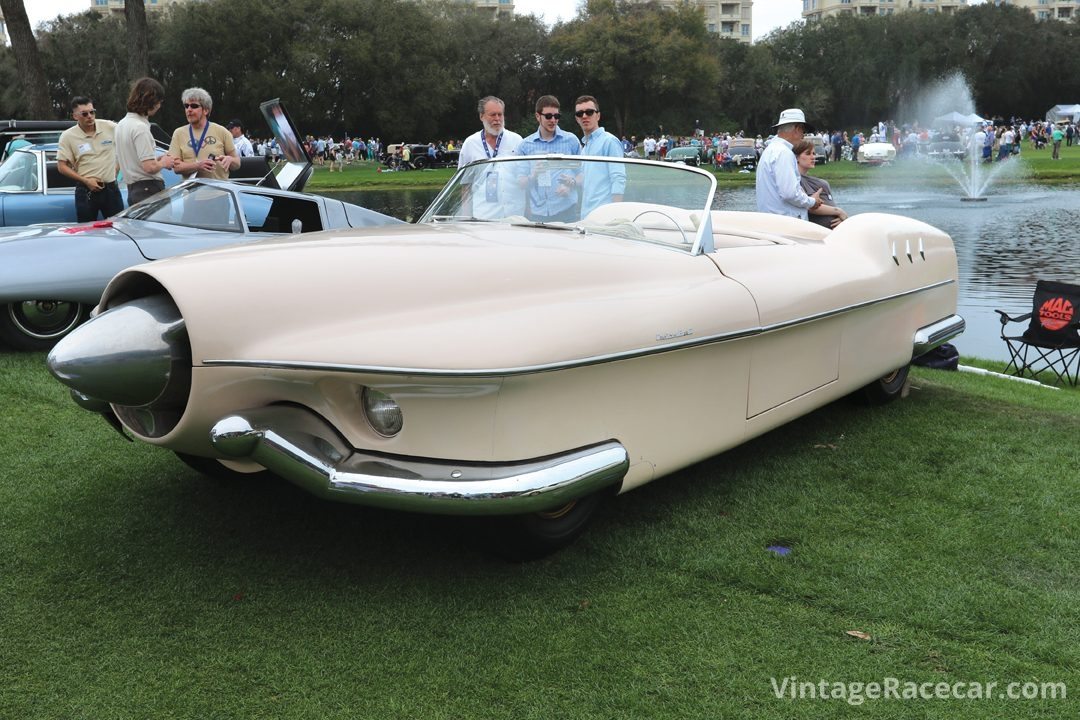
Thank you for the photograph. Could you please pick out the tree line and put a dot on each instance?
(404, 70)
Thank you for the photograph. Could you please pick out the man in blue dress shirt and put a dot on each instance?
(603, 183)
(552, 190)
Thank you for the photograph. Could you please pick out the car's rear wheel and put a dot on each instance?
(529, 537)
(37, 325)
(885, 389)
(420, 162)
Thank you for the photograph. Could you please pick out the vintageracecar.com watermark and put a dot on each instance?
(889, 688)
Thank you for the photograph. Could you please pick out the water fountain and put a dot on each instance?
(952, 97)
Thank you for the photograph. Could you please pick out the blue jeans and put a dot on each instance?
(106, 201)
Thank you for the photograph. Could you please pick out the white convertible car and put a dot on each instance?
(552, 331)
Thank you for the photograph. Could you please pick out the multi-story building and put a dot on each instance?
(499, 7)
(1042, 9)
(496, 7)
(726, 18)
(1047, 9)
(818, 9)
(117, 6)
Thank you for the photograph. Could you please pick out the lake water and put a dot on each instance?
(1003, 245)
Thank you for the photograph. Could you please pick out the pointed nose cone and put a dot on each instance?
(130, 355)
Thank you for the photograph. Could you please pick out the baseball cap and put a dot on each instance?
(235, 124)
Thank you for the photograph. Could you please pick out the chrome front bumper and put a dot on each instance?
(301, 447)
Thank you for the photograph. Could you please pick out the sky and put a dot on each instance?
(768, 14)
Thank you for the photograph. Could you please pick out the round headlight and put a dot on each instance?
(382, 412)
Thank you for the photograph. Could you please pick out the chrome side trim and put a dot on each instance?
(298, 445)
(564, 364)
(931, 336)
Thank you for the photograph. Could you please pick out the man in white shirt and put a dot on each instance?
(778, 186)
(494, 193)
(240, 141)
(494, 140)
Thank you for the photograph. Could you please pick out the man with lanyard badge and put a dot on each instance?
(552, 191)
(202, 148)
(491, 196)
(87, 155)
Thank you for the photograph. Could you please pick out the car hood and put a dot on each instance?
(458, 298)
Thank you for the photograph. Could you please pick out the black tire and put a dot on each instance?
(214, 469)
(37, 325)
(521, 538)
(420, 162)
(886, 389)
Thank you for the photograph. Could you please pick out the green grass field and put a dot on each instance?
(1037, 167)
(946, 527)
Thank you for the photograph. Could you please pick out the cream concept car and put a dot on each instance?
(552, 331)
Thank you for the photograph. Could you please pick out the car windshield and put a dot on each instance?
(192, 205)
(19, 173)
(661, 203)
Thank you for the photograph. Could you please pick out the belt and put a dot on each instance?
(103, 187)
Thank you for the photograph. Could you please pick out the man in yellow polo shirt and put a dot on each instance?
(202, 148)
(87, 155)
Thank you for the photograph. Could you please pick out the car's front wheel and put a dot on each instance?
(218, 470)
(885, 389)
(529, 537)
(37, 325)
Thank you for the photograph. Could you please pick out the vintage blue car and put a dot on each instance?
(32, 190)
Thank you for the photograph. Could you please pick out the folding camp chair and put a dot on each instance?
(1051, 342)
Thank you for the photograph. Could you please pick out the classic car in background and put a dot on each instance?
(692, 155)
(32, 190)
(945, 146)
(52, 274)
(419, 158)
(743, 153)
(877, 153)
(482, 363)
(821, 150)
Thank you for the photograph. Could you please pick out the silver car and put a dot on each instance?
(52, 275)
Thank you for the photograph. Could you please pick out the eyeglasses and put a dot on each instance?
(192, 106)
(586, 113)
(88, 113)
(550, 116)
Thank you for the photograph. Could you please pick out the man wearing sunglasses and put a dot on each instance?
(603, 183)
(87, 155)
(552, 190)
(202, 148)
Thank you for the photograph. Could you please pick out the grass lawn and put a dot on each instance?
(1038, 168)
(946, 527)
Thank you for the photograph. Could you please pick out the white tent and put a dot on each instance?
(1062, 113)
(955, 118)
